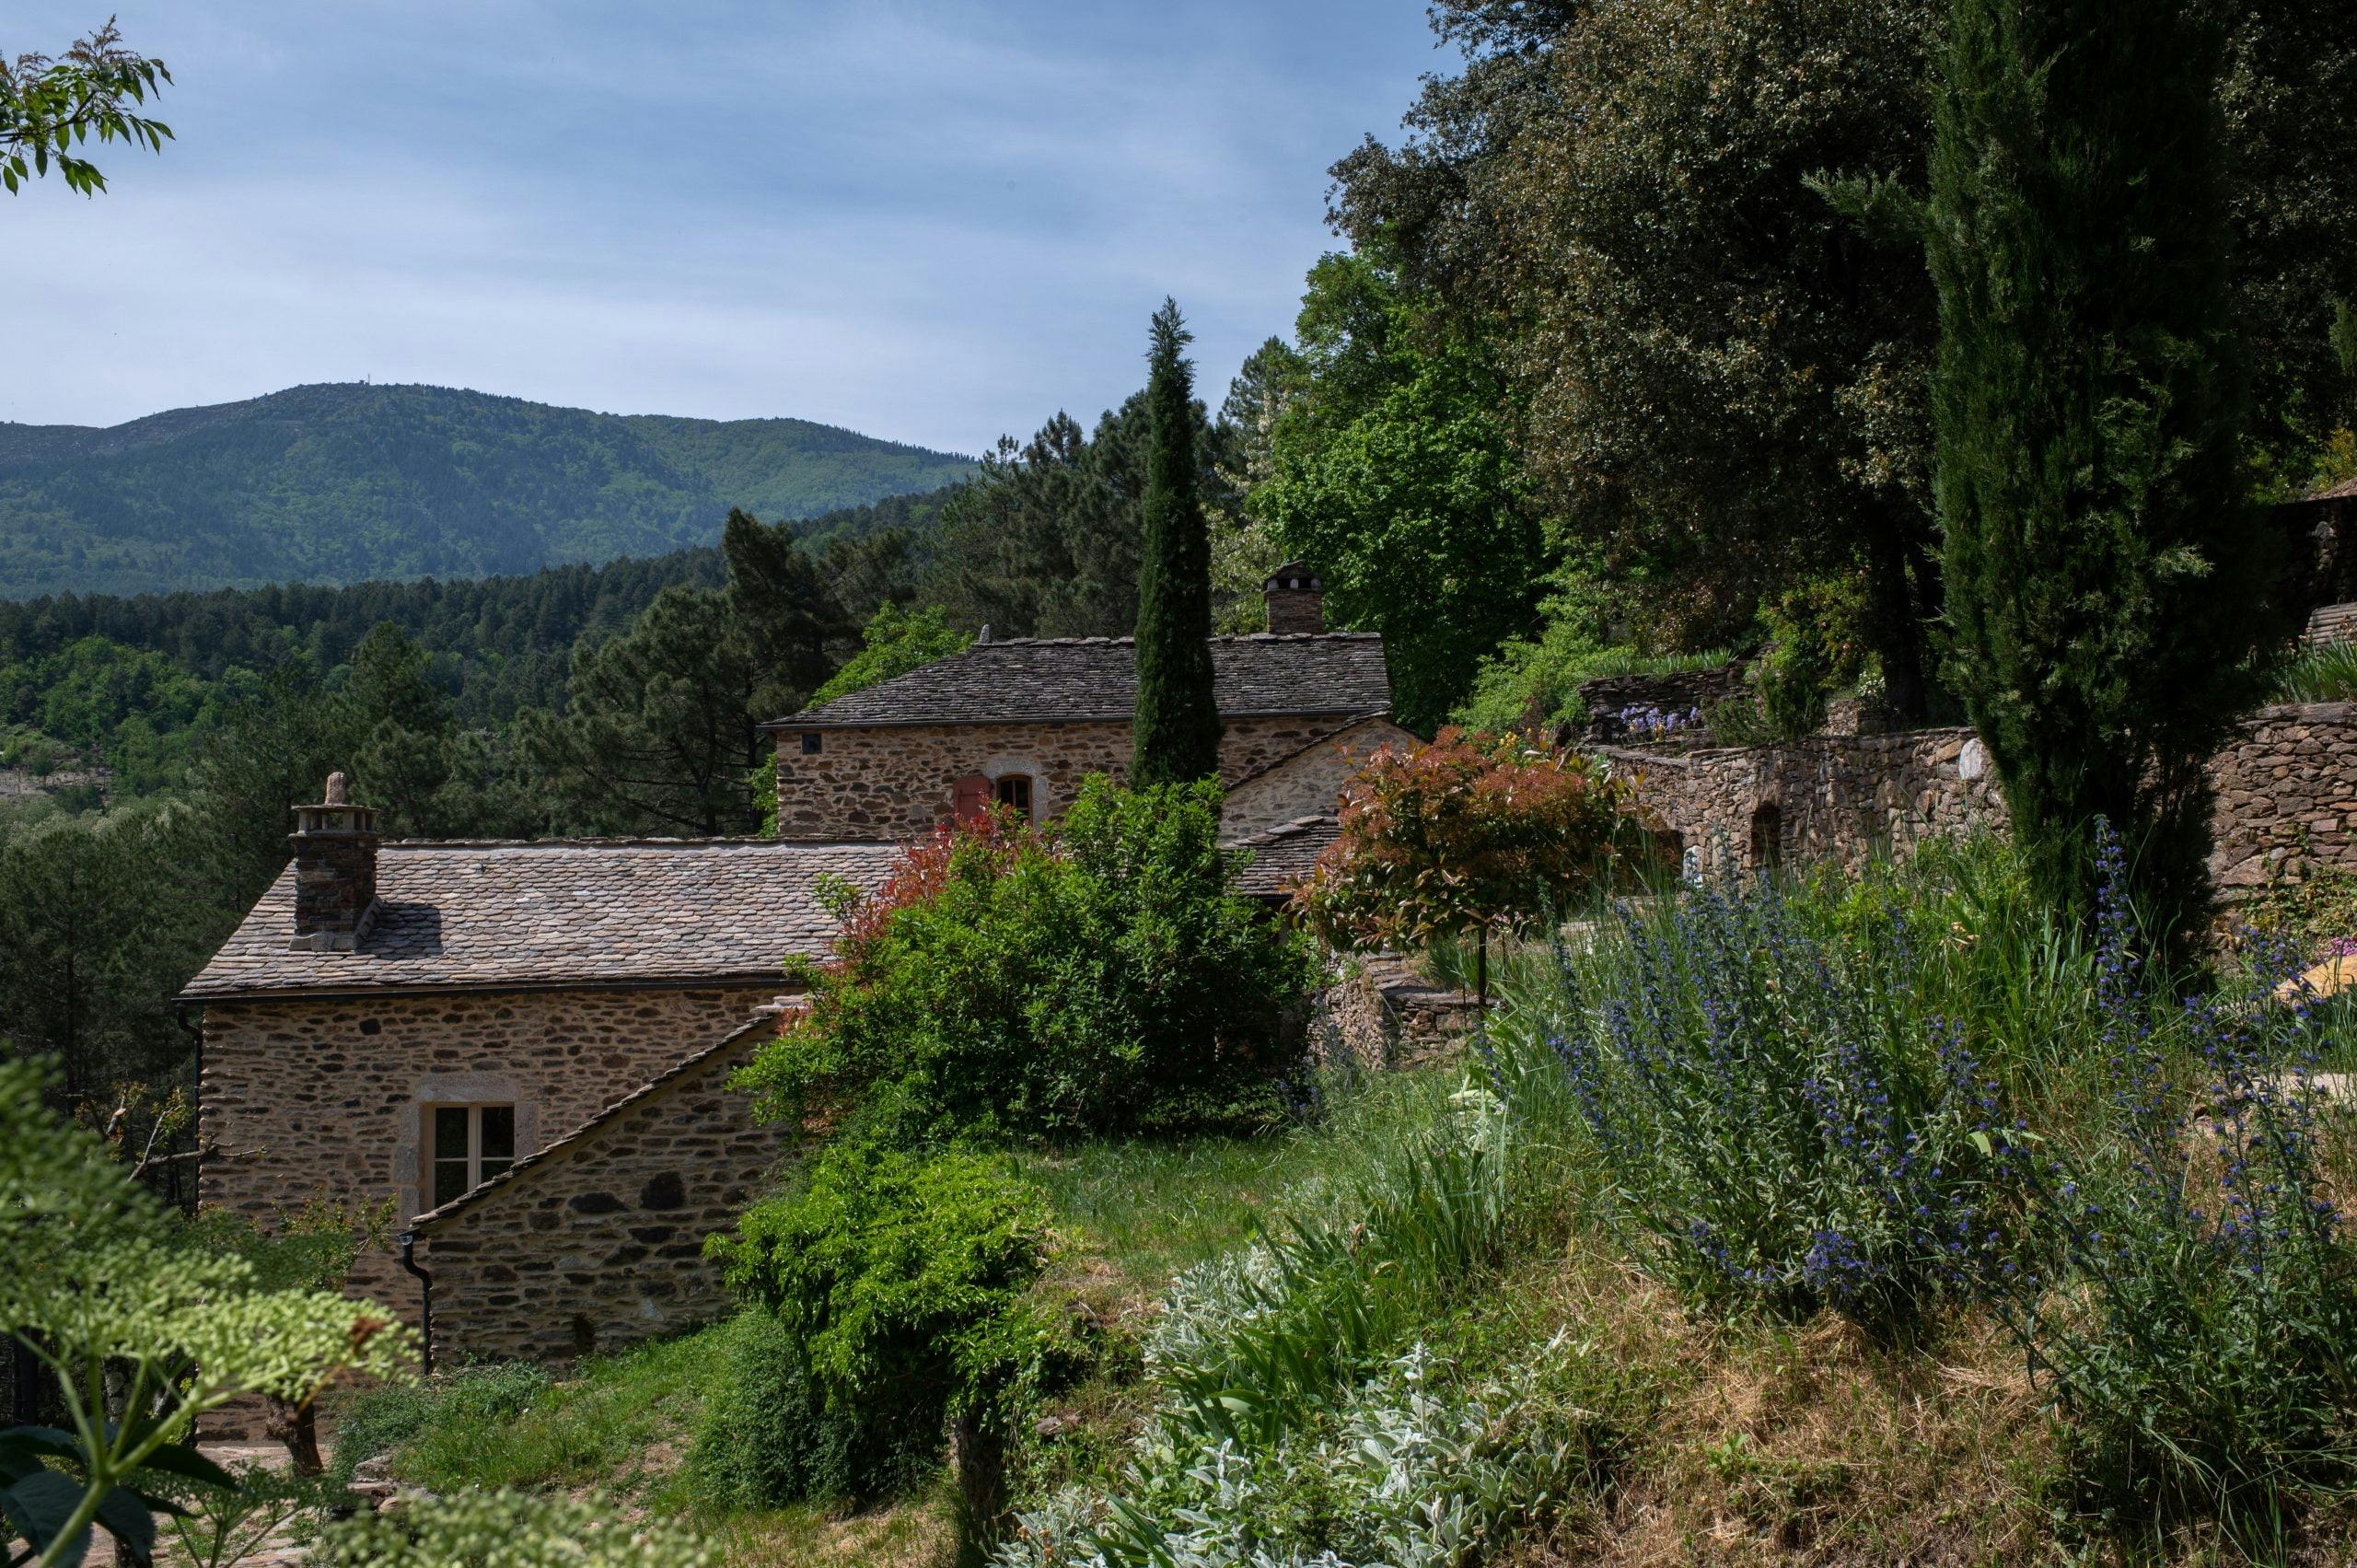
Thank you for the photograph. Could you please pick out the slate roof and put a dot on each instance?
(1283, 854)
(567, 912)
(1030, 679)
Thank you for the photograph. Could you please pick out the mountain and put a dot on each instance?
(343, 483)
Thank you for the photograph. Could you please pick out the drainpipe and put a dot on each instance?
(424, 1295)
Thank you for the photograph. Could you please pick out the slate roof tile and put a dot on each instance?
(1283, 854)
(1032, 680)
(558, 912)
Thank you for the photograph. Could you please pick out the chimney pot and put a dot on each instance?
(336, 872)
(1296, 598)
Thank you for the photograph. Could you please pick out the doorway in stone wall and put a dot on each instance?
(1767, 848)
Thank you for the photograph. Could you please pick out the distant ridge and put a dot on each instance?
(342, 482)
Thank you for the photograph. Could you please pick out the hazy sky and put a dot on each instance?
(932, 222)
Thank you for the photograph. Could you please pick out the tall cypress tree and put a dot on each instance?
(1176, 735)
(2104, 581)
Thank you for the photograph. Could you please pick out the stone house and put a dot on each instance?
(519, 1052)
(1021, 721)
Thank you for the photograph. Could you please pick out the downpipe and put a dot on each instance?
(407, 1239)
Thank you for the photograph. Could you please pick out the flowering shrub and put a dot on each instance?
(1096, 977)
(1774, 1115)
(2201, 1335)
(1471, 834)
(1645, 722)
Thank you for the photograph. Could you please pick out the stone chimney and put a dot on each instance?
(335, 872)
(1297, 598)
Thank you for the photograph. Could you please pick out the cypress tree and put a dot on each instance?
(2105, 580)
(1175, 734)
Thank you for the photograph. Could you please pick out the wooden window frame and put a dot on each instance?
(430, 1157)
(1031, 787)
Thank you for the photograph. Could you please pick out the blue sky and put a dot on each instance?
(931, 222)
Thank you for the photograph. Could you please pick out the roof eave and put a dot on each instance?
(1355, 714)
(766, 977)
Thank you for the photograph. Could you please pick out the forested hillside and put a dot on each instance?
(341, 483)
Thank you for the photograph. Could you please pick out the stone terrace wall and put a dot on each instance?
(324, 1099)
(2287, 796)
(895, 781)
(599, 1243)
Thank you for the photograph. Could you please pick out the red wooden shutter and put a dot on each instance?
(972, 801)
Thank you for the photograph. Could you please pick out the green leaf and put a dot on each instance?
(126, 1517)
(40, 1505)
(180, 1459)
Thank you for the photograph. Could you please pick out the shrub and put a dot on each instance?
(903, 1282)
(2202, 1343)
(1470, 834)
(767, 1438)
(1777, 1119)
(2326, 674)
(1096, 977)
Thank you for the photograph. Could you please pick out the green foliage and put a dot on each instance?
(895, 642)
(1011, 983)
(769, 1438)
(456, 1407)
(1466, 834)
(342, 483)
(904, 1283)
(2327, 673)
(1778, 1121)
(793, 624)
(660, 734)
(2104, 583)
(1392, 473)
(508, 1529)
(142, 1334)
(48, 107)
(1176, 726)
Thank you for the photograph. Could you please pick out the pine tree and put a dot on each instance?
(2104, 578)
(1176, 737)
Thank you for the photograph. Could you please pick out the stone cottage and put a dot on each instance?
(1020, 722)
(520, 1050)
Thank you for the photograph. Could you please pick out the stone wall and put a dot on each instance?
(895, 781)
(1608, 696)
(1828, 797)
(2287, 796)
(598, 1243)
(325, 1099)
(1307, 784)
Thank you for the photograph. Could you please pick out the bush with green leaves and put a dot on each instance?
(904, 1283)
(143, 1333)
(1096, 976)
(1779, 1123)
(382, 1418)
(767, 1437)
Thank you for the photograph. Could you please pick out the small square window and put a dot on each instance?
(809, 743)
(466, 1146)
(1015, 790)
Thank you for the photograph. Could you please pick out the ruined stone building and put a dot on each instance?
(520, 1051)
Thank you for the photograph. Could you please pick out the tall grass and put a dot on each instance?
(2324, 674)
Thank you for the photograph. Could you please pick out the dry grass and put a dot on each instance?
(919, 1533)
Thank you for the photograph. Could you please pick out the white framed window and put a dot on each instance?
(464, 1146)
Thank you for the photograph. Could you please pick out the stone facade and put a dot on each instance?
(1308, 782)
(1828, 797)
(325, 1098)
(598, 1243)
(897, 782)
(2287, 796)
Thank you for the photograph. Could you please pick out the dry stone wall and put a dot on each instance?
(2286, 787)
(599, 1243)
(325, 1097)
(895, 783)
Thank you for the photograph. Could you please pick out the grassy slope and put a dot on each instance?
(343, 483)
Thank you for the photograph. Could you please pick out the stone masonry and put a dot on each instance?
(2287, 796)
(598, 1243)
(325, 1097)
(897, 782)
(1308, 782)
